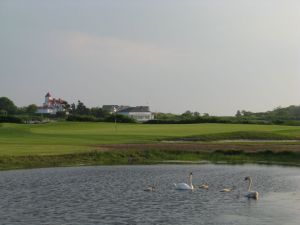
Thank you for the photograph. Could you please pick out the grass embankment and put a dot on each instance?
(67, 144)
(237, 135)
(149, 157)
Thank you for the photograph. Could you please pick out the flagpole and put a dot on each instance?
(115, 111)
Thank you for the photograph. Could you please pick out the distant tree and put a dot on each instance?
(99, 112)
(238, 113)
(205, 115)
(7, 106)
(196, 114)
(73, 108)
(81, 109)
(67, 107)
(187, 115)
(21, 110)
(165, 116)
(31, 109)
(246, 113)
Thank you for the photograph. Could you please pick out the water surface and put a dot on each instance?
(114, 195)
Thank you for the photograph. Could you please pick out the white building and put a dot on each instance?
(139, 113)
(52, 105)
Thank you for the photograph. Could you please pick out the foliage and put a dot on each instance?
(31, 109)
(153, 156)
(10, 119)
(7, 106)
(278, 115)
(80, 112)
(81, 109)
(281, 116)
(119, 118)
(110, 118)
(82, 118)
(99, 112)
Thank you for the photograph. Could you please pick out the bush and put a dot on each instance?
(82, 118)
(10, 119)
(120, 119)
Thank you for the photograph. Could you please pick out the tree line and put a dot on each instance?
(9, 112)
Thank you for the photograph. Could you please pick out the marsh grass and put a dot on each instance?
(237, 135)
(136, 157)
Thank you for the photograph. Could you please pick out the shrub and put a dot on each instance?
(82, 118)
(10, 119)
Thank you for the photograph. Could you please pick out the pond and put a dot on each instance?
(115, 195)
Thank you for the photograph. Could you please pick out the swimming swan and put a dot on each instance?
(249, 193)
(228, 189)
(204, 186)
(150, 189)
(184, 186)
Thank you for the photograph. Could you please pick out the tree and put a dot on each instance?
(31, 109)
(238, 113)
(73, 108)
(246, 113)
(99, 112)
(187, 115)
(21, 110)
(67, 106)
(196, 114)
(3, 113)
(7, 105)
(81, 109)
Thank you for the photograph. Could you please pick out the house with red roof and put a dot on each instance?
(52, 105)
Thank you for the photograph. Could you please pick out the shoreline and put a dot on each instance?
(162, 153)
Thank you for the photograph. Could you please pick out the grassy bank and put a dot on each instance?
(148, 157)
(72, 137)
(238, 135)
(71, 143)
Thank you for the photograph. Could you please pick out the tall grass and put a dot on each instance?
(147, 157)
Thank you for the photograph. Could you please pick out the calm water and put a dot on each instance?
(114, 195)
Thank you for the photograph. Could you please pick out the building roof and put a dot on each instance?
(57, 101)
(135, 109)
(48, 95)
(109, 107)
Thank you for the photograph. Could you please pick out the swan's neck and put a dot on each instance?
(249, 184)
(190, 181)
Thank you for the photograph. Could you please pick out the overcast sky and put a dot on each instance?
(211, 56)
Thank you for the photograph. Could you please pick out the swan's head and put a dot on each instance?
(247, 178)
(191, 173)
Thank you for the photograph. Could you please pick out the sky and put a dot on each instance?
(210, 56)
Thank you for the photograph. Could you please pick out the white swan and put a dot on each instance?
(184, 186)
(249, 193)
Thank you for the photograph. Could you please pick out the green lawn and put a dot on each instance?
(72, 137)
